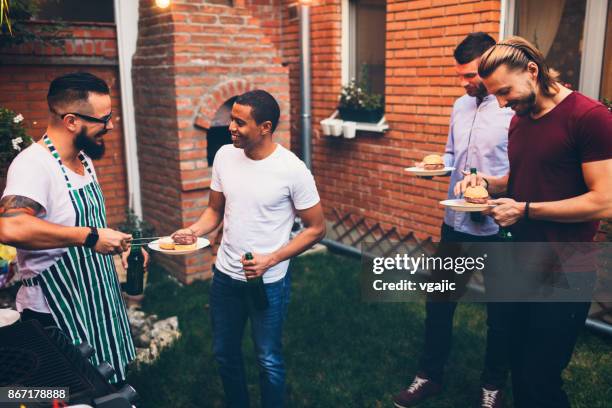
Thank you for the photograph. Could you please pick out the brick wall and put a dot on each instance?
(26, 72)
(365, 175)
(190, 59)
(269, 15)
(289, 46)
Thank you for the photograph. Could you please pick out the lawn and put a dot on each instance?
(340, 351)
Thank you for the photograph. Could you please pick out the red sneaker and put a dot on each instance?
(421, 389)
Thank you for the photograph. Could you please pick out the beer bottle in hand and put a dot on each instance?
(135, 272)
(256, 290)
(476, 216)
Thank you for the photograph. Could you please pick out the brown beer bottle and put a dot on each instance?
(135, 272)
(256, 291)
(476, 216)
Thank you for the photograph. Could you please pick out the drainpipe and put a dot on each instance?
(342, 248)
(598, 326)
(126, 20)
(305, 74)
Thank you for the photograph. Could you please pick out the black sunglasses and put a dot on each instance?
(104, 119)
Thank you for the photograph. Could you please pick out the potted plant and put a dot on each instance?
(15, 27)
(358, 104)
(13, 138)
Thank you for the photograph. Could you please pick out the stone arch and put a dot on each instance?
(214, 114)
(218, 133)
(217, 97)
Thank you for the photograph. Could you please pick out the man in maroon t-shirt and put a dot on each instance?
(558, 188)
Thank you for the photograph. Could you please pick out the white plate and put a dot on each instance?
(201, 243)
(417, 171)
(459, 204)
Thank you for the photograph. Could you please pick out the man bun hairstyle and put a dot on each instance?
(516, 53)
(472, 47)
(263, 106)
(74, 88)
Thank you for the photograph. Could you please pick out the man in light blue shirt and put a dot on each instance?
(477, 138)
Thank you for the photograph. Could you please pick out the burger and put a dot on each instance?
(166, 243)
(433, 162)
(184, 242)
(178, 242)
(476, 195)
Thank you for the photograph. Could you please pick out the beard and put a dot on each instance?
(479, 91)
(523, 106)
(89, 145)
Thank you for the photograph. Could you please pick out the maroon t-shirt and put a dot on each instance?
(545, 162)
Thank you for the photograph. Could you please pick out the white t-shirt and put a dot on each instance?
(35, 174)
(261, 199)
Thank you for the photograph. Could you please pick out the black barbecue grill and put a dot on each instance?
(33, 356)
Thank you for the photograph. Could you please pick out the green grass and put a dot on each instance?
(340, 351)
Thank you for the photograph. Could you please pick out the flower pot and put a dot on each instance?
(349, 129)
(361, 115)
(335, 127)
(326, 127)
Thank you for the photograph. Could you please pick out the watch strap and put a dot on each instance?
(92, 238)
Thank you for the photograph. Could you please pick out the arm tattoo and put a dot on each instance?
(13, 206)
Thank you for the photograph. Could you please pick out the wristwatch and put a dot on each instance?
(92, 238)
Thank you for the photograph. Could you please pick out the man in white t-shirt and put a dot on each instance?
(258, 187)
(53, 211)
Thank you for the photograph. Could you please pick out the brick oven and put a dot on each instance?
(191, 60)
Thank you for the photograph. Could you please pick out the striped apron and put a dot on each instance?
(82, 288)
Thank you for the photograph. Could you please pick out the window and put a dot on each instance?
(77, 10)
(543, 23)
(606, 75)
(570, 34)
(366, 43)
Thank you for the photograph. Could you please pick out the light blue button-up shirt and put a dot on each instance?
(477, 137)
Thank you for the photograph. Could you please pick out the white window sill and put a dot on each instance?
(334, 127)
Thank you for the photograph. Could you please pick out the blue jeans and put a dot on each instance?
(230, 309)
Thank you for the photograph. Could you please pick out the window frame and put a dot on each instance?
(349, 41)
(347, 48)
(593, 39)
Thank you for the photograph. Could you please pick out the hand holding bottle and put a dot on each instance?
(257, 265)
(255, 286)
(126, 254)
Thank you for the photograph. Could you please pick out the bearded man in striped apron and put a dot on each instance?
(53, 211)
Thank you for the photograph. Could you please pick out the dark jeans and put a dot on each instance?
(543, 337)
(230, 310)
(439, 325)
(45, 319)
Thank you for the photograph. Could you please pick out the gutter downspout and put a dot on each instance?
(126, 20)
(305, 80)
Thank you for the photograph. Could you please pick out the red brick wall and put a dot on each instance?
(325, 64)
(26, 72)
(269, 14)
(190, 59)
(365, 175)
(289, 47)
